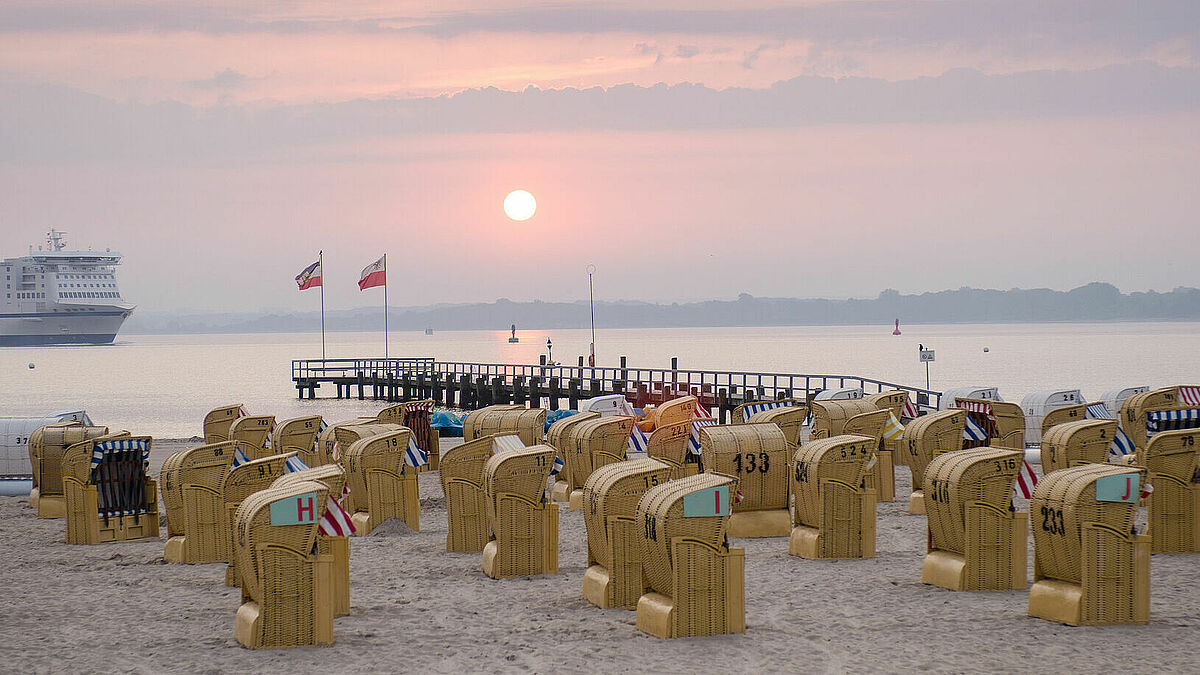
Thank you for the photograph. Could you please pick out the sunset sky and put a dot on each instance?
(688, 149)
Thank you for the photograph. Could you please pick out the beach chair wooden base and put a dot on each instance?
(598, 588)
(693, 611)
(1069, 603)
(173, 551)
(576, 500)
(50, 506)
(561, 492)
(33, 498)
(251, 630)
(982, 572)
(838, 541)
(88, 527)
(883, 477)
(916, 503)
(339, 549)
(515, 559)
(752, 524)
(620, 587)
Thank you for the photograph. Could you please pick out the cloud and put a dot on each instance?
(686, 51)
(226, 79)
(42, 123)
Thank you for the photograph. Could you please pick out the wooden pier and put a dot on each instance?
(469, 386)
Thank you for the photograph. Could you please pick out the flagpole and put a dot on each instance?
(385, 327)
(321, 264)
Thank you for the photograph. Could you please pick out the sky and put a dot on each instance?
(689, 150)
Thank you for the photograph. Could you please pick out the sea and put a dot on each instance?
(162, 385)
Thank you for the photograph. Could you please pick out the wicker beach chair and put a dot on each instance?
(757, 454)
(337, 547)
(218, 420)
(894, 401)
(1089, 567)
(298, 435)
(254, 431)
(561, 436)
(191, 493)
(833, 515)
(241, 482)
(1004, 423)
(614, 575)
(109, 495)
(382, 484)
(1172, 461)
(1166, 409)
(522, 524)
(882, 476)
(925, 438)
(286, 580)
(743, 413)
(346, 435)
(1057, 416)
(596, 442)
(466, 503)
(676, 410)
(695, 582)
(977, 542)
(417, 417)
(529, 423)
(1082, 441)
(392, 414)
(47, 445)
(669, 445)
(829, 417)
(789, 419)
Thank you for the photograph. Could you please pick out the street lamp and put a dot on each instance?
(591, 269)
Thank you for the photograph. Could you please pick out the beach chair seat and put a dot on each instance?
(218, 421)
(382, 483)
(254, 431)
(299, 435)
(329, 541)
(669, 445)
(1089, 566)
(695, 583)
(462, 480)
(47, 445)
(789, 418)
(109, 495)
(757, 455)
(561, 436)
(882, 476)
(529, 423)
(977, 541)
(522, 523)
(240, 482)
(417, 418)
(1082, 441)
(833, 515)
(614, 575)
(286, 580)
(596, 442)
(925, 438)
(191, 493)
(1172, 461)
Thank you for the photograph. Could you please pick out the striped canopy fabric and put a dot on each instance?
(750, 410)
(119, 474)
(1171, 420)
(694, 439)
(637, 440)
(99, 450)
(414, 456)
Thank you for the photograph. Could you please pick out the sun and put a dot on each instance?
(520, 205)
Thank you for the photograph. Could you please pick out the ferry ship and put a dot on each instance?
(54, 296)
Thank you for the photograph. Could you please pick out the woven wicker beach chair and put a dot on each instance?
(743, 413)
(829, 417)
(1004, 423)
(1089, 567)
(925, 438)
(298, 435)
(417, 417)
(286, 581)
(393, 414)
(46, 447)
(977, 542)
(882, 476)
(596, 442)
(241, 482)
(338, 547)
(695, 582)
(676, 410)
(382, 484)
(346, 435)
(522, 523)
(833, 515)
(757, 454)
(1081, 441)
(669, 445)
(1056, 416)
(1166, 409)
(789, 419)
(191, 493)
(1172, 461)
(255, 432)
(461, 474)
(529, 423)
(218, 420)
(614, 575)
(109, 495)
(561, 436)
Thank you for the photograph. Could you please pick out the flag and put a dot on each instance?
(1026, 480)
(372, 275)
(414, 456)
(700, 411)
(293, 464)
(239, 458)
(310, 277)
(557, 466)
(320, 432)
(637, 439)
(1121, 444)
(1190, 396)
(973, 432)
(893, 430)
(242, 412)
(336, 522)
(910, 409)
(337, 451)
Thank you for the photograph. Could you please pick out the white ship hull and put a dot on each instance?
(49, 328)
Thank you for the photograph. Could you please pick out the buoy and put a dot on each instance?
(897, 331)
(985, 350)
(31, 366)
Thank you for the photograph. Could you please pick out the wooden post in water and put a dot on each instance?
(499, 390)
(674, 379)
(360, 384)
(466, 393)
(573, 393)
(437, 388)
(722, 406)
(519, 390)
(555, 393)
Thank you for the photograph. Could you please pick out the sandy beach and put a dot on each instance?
(120, 608)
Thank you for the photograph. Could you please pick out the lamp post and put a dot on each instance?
(591, 269)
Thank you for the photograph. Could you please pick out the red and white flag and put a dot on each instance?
(1190, 395)
(372, 275)
(1026, 480)
(700, 412)
(336, 522)
(310, 277)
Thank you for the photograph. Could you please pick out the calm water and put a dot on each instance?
(163, 385)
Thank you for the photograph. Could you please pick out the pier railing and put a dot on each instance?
(483, 383)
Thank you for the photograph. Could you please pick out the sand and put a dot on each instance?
(119, 607)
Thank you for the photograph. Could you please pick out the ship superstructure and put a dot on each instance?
(55, 296)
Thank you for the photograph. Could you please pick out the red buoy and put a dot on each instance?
(897, 331)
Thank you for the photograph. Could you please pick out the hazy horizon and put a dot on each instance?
(689, 150)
